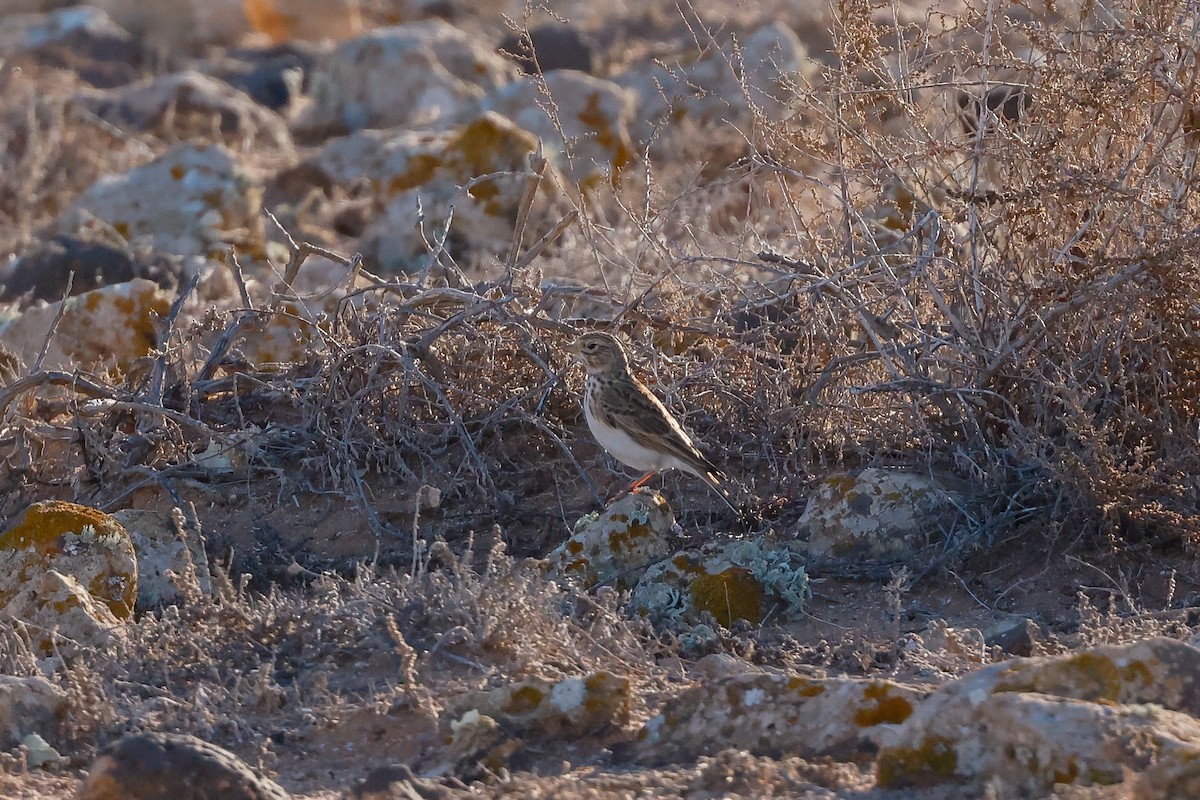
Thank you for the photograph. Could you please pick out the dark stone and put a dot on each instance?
(41, 273)
(1008, 102)
(264, 74)
(557, 46)
(171, 766)
(1017, 639)
(398, 781)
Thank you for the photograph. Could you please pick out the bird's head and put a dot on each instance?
(600, 353)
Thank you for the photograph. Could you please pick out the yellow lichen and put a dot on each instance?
(804, 687)
(931, 763)
(525, 699)
(729, 595)
(886, 708)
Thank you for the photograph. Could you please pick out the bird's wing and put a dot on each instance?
(647, 421)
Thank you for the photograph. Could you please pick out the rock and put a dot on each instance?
(60, 617)
(734, 580)
(41, 272)
(775, 62)
(404, 76)
(594, 115)
(549, 47)
(399, 781)
(285, 21)
(877, 514)
(707, 92)
(483, 216)
(83, 543)
(274, 77)
(1018, 639)
(774, 714)
(616, 544)
(29, 705)
(187, 102)
(189, 201)
(172, 565)
(111, 327)
(40, 755)
(171, 766)
(1028, 724)
(82, 39)
(182, 24)
(564, 709)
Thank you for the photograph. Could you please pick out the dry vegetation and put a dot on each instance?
(873, 280)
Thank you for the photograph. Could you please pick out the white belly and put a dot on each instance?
(621, 446)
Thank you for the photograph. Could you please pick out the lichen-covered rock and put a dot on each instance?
(775, 714)
(593, 114)
(436, 168)
(187, 101)
(618, 543)
(570, 707)
(1031, 723)
(112, 326)
(172, 565)
(83, 543)
(734, 580)
(876, 514)
(409, 75)
(188, 201)
(58, 615)
(169, 766)
(82, 39)
(707, 92)
(29, 705)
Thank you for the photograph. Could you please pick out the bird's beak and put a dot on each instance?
(575, 347)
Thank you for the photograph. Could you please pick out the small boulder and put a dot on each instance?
(112, 326)
(775, 714)
(405, 76)
(172, 565)
(564, 709)
(187, 102)
(72, 540)
(170, 766)
(1082, 718)
(192, 200)
(735, 580)
(58, 615)
(589, 130)
(616, 544)
(29, 705)
(876, 514)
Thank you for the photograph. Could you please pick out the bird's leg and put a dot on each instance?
(635, 485)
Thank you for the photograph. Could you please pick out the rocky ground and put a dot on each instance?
(298, 498)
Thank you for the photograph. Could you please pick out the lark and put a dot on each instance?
(631, 423)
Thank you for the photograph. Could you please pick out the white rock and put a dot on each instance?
(410, 75)
(187, 201)
(28, 705)
(110, 326)
(591, 113)
(189, 100)
(876, 513)
(26, 31)
(172, 564)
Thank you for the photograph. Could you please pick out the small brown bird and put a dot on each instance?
(631, 423)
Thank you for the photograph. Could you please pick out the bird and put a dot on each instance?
(633, 425)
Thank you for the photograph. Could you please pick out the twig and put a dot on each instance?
(158, 376)
(62, 308)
